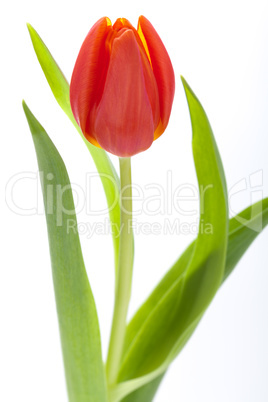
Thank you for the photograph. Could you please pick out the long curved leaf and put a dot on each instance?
(174, 315)
(241, 236)
(78, 321)
(60, 88)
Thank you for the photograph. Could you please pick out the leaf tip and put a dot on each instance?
(32, 32)
(183, 80)
(188, 90)
(28, 113)
(24, 105)
(29, 116)
(29, 27)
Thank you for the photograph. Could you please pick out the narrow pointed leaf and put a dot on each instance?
(78, 321)
(174, 315)
(60, 88)
(55, 78)
(243, 230)
(241, 235)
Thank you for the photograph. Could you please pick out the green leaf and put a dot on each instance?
(243, 230)
(145, 393)
(60, 89)
(55, 78)
(78, 321)
(167, 325)
(241, 235)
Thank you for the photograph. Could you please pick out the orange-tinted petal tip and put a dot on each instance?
(109, 22)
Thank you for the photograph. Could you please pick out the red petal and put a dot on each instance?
(89, 75)
(121, 25)
(124, 122)
(151, 87)
(122, 22)
(162, 68)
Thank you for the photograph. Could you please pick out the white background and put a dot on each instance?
(221, 49)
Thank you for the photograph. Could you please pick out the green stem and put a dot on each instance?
(124, 277)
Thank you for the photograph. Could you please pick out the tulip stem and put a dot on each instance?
(124, 277)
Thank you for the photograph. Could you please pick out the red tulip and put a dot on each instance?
(122, 86)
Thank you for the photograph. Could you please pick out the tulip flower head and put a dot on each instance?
(122, 86)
